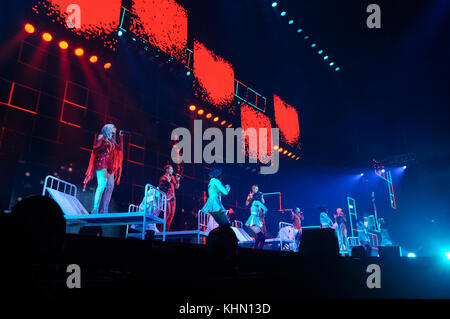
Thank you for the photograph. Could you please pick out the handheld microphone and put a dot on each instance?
(124, 132)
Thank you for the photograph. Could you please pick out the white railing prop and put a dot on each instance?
(50, 182)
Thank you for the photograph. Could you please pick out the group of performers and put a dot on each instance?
(106, 164)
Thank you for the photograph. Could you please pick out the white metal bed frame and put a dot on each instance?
(155, 201)
(60, 190)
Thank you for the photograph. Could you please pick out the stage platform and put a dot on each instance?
(75, 214)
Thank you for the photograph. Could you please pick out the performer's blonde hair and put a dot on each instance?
(107, 131)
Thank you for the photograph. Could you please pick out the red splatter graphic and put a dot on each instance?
(98, 18)
(286, 117)
(251, 118)
(215, 78)
(164, 22)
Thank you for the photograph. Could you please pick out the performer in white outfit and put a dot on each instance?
(341, 230)
(213, 205)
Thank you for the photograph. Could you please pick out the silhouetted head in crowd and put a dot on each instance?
(39, 226)
(222, 244)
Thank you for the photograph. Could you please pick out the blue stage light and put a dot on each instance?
(331, 63)
(291, 21)
(412, 255)
(362, 174)
(404, 167)
(283, 13)
(120, 33)
(383, 171)
(320, 51)
(188, 73)
(313, 45)
(337, 69)
(447, 255)
(325, 57)
(299, 30)
(306, 37)
(274, 4)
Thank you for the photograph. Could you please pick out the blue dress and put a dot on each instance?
(254, 219)
(213, 205)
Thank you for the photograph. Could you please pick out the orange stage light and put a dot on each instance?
(223, 122)
(208, 116)
(93, 59)
(107, 65)
(63, 45)
(216, 119)
(192, 108)
(200, 112)
(79, 51)
(47, 37)
(275, 147)
(29, 28)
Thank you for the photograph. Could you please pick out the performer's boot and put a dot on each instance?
(257, 240)
(262, 240)
(107, 195)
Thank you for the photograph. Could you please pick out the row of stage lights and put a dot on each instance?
(64, 45)
(216, 119)
(306, 37)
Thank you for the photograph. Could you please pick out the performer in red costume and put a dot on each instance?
(297, 218)
(106, 162)
(168, 184)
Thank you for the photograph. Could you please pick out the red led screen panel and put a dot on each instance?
(164, 23)
(251, 118)
(286, 117)
(214, 78)
(89, 18)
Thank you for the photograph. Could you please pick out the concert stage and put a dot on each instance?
(225, 149)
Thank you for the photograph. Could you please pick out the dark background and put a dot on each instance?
(389, 98)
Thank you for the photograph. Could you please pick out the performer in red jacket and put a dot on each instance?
(168, 184)
(106, 162)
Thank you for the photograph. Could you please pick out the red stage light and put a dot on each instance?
(164, 22)
(192, 108)
(250, 118)
(216, 119)
(47, 37)
(200, 112)
(223, 122)
(79, 51)
(286, 116)
(63, 45)
(107, 65)
(230, 125)
(29, 28)
(214, 77)
(93, 59)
